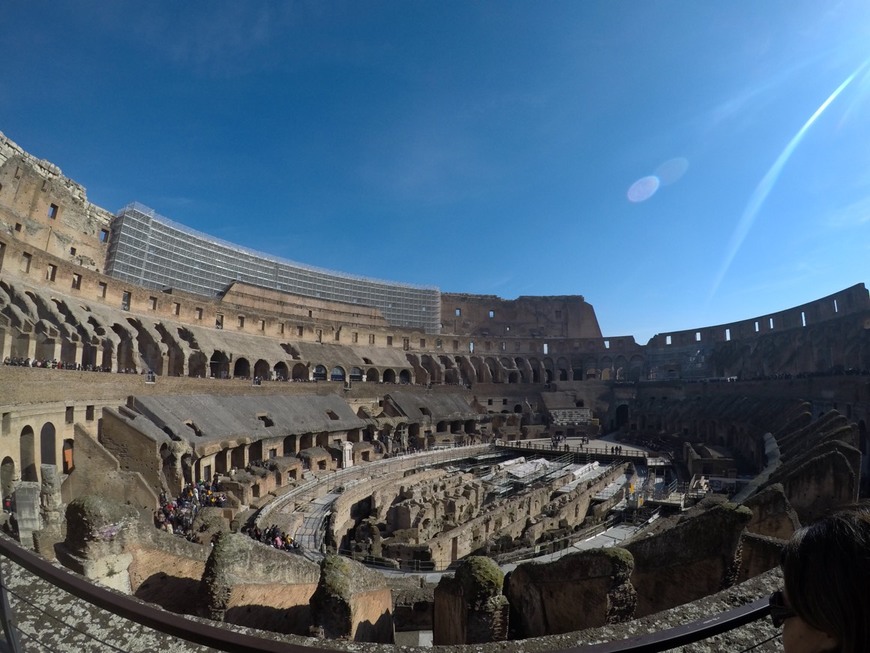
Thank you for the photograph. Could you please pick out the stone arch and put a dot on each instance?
(372, 375)
(320, 372)
(47, 444)
(28, 455)
(536, 367)
(337, 373)
(148, 347)
(404, 377)
(356, 374)
(219, 365)
(429, 364)
(125, 353)
(261, 369)
(300, 372)
(242, 368)
(524, 369)
(389, 375)
(495, 369)
(89, 354)
(282, 373)
(7, 476)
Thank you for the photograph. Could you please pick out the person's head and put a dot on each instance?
(826, 567)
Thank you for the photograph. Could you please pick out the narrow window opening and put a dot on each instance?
(26, 260)
(491, 314)
(546, 348)
(836, 308)
(803, 318)
(76, 281)
(50, 272)
(756, 326)
(103, 288)
(104, 235)
(125, 300)
(668, 340)
(458, 312)
(176, 308)
(697, 336)
(727, 335)
(52, 211)
(770, 322)
(607, 344)
(72, 251)
(152, 303)
(198, 313)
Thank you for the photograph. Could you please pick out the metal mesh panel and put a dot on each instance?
(154, 252)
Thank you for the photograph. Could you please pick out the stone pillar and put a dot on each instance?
(347, 458)
(470, 607)
(26, 498)
(31, 345)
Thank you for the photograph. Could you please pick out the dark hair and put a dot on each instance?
(826, 567)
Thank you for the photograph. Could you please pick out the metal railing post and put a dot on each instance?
(7, 618)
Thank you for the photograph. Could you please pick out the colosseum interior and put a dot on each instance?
(327, 461)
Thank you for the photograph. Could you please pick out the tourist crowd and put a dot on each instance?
(273, 536)
(177, 515)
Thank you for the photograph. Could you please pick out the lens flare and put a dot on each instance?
(643, 189)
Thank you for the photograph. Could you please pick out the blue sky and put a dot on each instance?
(481, 147)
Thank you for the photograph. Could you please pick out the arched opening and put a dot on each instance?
(242, 368)
(281, 371)
(261, 369)
(389, 376)
(319, 373)
(356, 374)
(337, 374)
(47, 455)
(404, 377)
(219, 365)
(300, 372)
(28, 455)
(372, 375)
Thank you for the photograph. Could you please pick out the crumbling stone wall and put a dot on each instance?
(578, 591)
(685, 558)
(352, 602)
(251, 584)
(470, 607)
